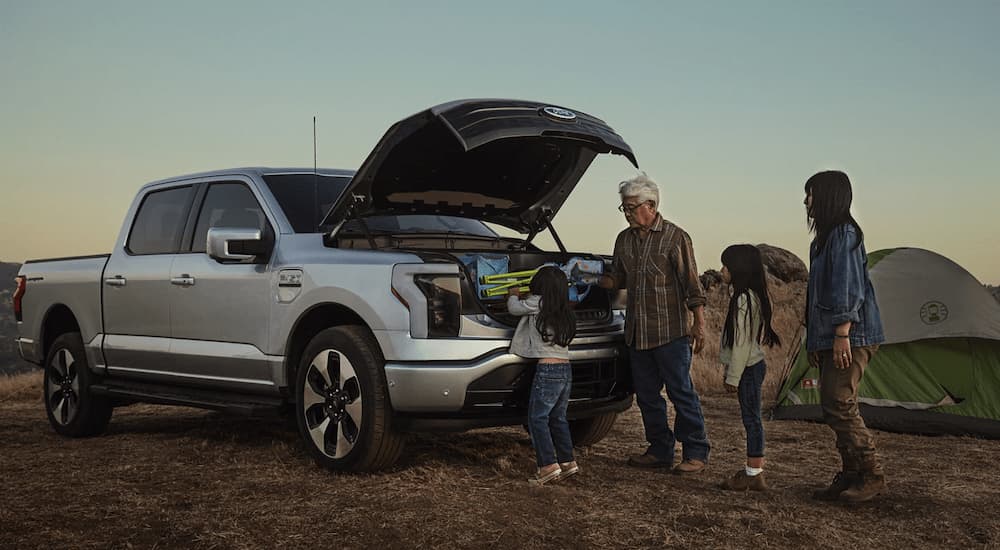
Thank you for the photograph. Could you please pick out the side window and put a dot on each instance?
(159, 222)
(227, 205)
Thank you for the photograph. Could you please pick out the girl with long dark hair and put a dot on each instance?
(544, 332)
(747, 328)
(844, 330)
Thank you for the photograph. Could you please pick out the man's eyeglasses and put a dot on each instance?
(629, 208)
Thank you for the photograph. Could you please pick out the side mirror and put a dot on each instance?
(236, 244)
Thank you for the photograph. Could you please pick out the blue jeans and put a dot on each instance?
(749, 394)
(669, 365)
(547, 413)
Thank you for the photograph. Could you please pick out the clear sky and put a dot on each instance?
(729, 105)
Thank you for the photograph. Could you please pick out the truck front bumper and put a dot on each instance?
(507, 416)
(499, 382)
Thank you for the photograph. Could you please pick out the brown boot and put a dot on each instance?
(870, 484)
(689, 466)
(648, 460)
(841, 482)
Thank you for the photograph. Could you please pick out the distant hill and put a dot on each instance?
(7, 273)
(9, 361)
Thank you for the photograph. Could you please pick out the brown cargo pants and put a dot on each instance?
(839, 400)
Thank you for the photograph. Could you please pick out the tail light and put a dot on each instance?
(22, 286)
(444, 304)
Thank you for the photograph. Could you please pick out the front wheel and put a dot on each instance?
(342, 403)
(72, 409)
(588, 431)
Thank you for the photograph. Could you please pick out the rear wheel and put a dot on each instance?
(72, 409)
(588, 431)
(342, 403)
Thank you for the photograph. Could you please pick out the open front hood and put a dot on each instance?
(510, 162)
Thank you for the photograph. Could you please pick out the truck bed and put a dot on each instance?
(73, 283)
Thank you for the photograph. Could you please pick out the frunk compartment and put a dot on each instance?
(593, 307)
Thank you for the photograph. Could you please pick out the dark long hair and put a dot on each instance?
(747, 272)
(831, 206)
(556, 322)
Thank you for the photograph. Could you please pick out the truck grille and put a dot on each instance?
(592, 315)
(509, 387)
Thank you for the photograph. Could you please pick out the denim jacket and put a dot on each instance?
(840, 291)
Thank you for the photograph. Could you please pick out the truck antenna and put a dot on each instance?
(315, 181)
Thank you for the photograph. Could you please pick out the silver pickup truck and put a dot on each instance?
(352, 299)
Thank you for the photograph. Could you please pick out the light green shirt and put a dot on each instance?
(746, 350)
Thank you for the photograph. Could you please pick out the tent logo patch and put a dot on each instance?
(933, 312)
(810, 383)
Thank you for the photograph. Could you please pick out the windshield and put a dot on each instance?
(420, 223)
(306, 198)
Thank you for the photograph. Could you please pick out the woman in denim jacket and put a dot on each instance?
(843, 331)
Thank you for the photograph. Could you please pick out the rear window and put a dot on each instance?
(306, 198)
(159, 222)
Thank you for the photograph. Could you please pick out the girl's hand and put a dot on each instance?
(842, 356)
(730, 389)
(514, 291)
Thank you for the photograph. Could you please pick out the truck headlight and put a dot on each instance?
(444, 304)
(432, 292)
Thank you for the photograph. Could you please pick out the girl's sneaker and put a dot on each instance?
(540, 479)
(569, 468)
(743, 482)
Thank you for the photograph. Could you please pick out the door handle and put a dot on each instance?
(117, 280)
(183, 280)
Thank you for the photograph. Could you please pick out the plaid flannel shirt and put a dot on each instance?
(661, 276)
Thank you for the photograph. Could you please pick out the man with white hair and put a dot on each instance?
(654, 261)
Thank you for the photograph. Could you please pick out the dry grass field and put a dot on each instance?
(176, 478)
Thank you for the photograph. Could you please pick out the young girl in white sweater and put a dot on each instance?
(748, 326)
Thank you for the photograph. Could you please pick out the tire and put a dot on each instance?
(72, 409)
(588, 431)
(342, 403)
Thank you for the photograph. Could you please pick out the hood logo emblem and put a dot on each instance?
(559, 113)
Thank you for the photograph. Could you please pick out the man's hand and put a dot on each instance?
(731, 389)
(606, 282)
(698, 330)
(697, 337)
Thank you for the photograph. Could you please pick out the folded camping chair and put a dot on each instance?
(582, 275)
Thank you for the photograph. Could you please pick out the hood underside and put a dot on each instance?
(509, 162)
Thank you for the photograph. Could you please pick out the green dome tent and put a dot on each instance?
(938, 371)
